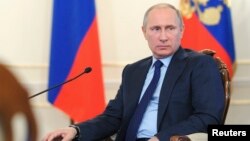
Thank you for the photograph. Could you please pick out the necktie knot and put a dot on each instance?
(158, 64)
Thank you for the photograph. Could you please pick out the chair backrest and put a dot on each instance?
(225, 80)
(17, 121)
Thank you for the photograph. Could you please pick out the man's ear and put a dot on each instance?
(182, 31)
(143, 28)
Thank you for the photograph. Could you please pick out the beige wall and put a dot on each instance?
(25, 29)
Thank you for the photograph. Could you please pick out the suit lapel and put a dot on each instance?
(137, 78)
(175, 69)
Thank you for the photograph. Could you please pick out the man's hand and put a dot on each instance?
(154, 138)
(64, 134)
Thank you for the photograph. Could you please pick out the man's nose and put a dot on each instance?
(163, 35)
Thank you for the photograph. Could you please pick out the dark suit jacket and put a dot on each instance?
(191, 98)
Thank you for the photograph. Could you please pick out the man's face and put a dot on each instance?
(163, 32)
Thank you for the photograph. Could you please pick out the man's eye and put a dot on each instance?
(156, 28)
(171, 28)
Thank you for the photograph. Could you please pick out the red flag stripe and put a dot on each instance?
(84, 100)
(197, 37)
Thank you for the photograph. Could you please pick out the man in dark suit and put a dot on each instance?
(188, 96)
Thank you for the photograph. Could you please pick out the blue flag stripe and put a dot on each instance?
(223, 31)
(71, 21)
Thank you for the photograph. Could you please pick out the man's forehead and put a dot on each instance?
(162, 9)
(162, 16)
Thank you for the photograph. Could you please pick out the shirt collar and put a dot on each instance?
(165, 61)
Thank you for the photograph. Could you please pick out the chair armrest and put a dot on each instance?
(198, 136)
(180, 138)
(190, 137)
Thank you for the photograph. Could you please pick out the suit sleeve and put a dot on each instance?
(106, 124)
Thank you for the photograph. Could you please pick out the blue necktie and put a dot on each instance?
(136, 119)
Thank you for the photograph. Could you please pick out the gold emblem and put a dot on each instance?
(209, 16)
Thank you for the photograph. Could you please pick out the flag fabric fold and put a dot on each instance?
(208, 25)
(75, 46)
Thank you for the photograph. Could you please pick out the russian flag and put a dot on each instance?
(75, 46)
(208, 25)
